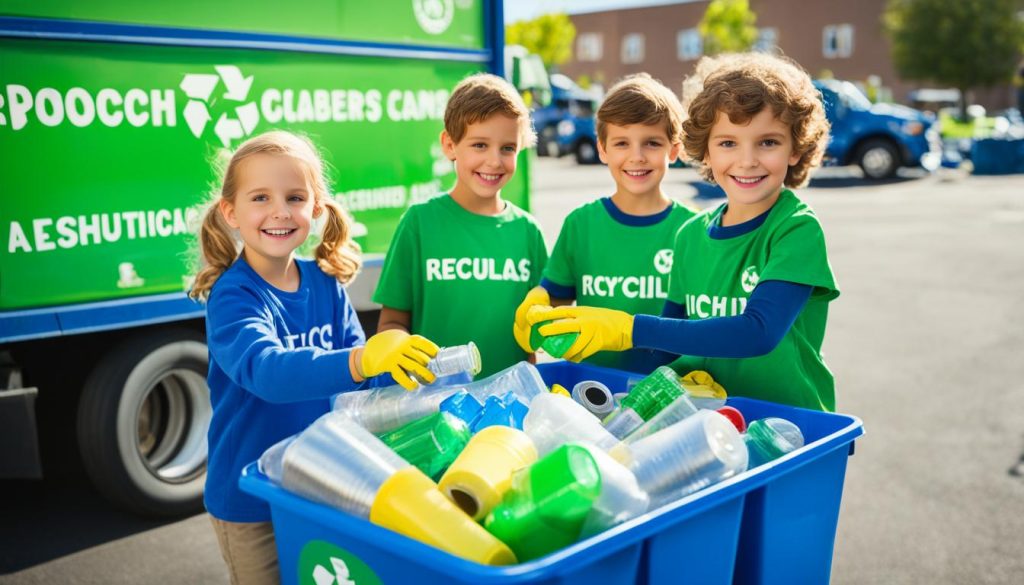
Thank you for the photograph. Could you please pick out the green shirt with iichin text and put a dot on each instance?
(714, 278)
(617, 266)
(462, 275)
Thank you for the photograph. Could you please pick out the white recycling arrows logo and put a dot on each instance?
(199, 89)
(340, 576)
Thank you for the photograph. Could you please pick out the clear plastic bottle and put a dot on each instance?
(679, 409)
(383, 409)
(453, 360)
(702, 449)
(621, 498)
(521, 378)
(554, 420)
(337, 462)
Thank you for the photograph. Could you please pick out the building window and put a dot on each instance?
(689, 44)
(633, 48)
(837, 41)
(589, 47)
(767, 40)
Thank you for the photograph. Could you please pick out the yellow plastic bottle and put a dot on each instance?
(409, 503)
(480, 475)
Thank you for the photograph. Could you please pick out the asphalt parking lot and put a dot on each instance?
(926, 343)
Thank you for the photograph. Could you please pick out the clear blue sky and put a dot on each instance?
(527, 9)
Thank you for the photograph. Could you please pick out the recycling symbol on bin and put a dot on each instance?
(239, 122)
(339, 575)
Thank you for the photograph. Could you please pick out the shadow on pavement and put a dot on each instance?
(852, 181)
(49, 519)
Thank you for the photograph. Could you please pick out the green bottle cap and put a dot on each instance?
(547, 504)
(430, 443)
(653, 393)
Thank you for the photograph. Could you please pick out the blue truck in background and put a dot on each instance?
(879, 138)
(566, 124)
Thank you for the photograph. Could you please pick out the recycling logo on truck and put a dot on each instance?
(199, 87)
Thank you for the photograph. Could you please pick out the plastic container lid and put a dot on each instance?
(734, 416)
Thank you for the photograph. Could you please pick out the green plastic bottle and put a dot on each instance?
(659, 389)
(430, 443)
(548, 503)
(768, 439)
(649, 397)
(555, 345)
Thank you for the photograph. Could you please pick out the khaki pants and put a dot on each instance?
(249, 551)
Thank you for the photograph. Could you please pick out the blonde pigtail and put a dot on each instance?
(337, 254)
(218, 249)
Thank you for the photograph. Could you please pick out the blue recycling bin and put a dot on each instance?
(774, 524)
(997, 156)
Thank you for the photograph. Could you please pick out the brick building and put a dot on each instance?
(840, 36)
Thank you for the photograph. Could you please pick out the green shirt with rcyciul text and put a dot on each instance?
(462, 275)
(714, 278)
(615, 265)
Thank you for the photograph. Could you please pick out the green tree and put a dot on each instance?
(548, 35)
(728, 27)
(965, 44)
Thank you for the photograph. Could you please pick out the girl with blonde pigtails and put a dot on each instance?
(282, 333)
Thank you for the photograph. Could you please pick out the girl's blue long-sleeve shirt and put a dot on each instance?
(275, 359)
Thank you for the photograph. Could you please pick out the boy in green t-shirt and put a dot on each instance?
(460, 263)
(750, 306)
(616, 252)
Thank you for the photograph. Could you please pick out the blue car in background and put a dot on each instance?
(880, 138)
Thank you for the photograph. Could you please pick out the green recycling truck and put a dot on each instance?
(111, 114)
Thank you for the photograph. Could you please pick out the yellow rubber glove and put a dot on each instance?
(598, 329)
(700, 383)
(400, 354)
(521, 328)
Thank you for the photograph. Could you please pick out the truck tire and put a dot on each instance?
(142, 423)
(878, 158)
(586, 152)
(547, 142)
